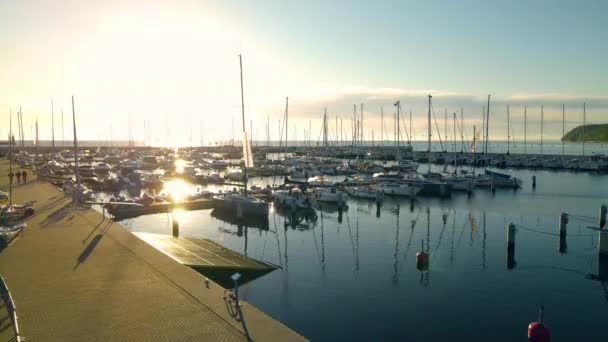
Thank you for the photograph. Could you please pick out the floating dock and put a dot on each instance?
(208, 258)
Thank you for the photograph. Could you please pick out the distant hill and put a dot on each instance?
(592, 133)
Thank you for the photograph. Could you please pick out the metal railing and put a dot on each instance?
(10, 306)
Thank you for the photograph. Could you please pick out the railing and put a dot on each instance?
(10, 306)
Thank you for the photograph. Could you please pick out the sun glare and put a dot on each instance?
(177, 189)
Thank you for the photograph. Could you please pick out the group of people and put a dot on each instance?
(19, 174)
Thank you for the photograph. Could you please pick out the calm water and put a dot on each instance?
(355, 278)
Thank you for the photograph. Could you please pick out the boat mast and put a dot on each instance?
(563, 127)
(10, 157)
(398, 154)
(62, 129)
(462, 129)
(525, 128)
(445, 128)
(508, 131)
(77, 199)
(488, 124)
(584, 117)
(286, 121)
(430, 133)
(243, 117)
(381, 126)
(361, 125)
(52, 128)
(454, 136)
(542, 119)
(411, 138)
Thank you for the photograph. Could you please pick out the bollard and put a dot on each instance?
(563, 224)
(533, 182)
(175, 225)
(511, 236)
(603, 242)
(603, 216)
(511, 246)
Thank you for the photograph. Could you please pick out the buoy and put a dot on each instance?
(422, 259)
(537, 331)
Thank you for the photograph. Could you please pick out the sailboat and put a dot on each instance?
(242, 204)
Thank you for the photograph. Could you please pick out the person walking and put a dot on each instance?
(10, 177)
(24, 175)
(18, 177)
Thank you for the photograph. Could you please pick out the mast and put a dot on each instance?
(508, 131)
(286, 120)
(488, 124)
(525, 128)
(563, 126)
(37, 142)
(62, 129)
(454, 136)
(243, 117)
(398, 154)
(430, 133)
(542, 119)
(411, 138)
(52, 128)
(584, 119)
(76, 153)
(483, 128)
(445, 128)
(361, 125)
(10, 157)
(462, 129)
(381, 126)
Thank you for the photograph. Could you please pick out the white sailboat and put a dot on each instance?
(242, 204)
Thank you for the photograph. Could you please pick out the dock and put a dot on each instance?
(75, 275)
(208, 258)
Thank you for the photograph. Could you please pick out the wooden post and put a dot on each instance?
(602, 218)
(563, 222)
(511, 246)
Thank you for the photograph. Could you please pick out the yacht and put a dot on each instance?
(397, 189)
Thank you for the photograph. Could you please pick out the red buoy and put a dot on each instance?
(537, 332)
(422, 259)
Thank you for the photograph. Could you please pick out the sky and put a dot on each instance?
(176, 65)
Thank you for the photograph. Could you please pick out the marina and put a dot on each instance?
(303, 171)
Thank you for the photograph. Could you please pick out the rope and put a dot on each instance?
(548, 233)
(583, 218)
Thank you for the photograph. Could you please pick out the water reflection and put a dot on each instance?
(364, 258)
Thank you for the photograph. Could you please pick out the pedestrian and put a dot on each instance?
(24, 175)
(10, 177)
(18, 177)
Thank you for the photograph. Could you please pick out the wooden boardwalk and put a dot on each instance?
(76, 276)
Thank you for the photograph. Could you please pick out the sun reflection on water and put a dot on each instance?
(179, 165)
(178, 189)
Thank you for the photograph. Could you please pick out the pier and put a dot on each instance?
(75, 275)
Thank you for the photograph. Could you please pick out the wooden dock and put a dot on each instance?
(208, 257)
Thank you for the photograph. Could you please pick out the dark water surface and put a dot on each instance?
(355, 278)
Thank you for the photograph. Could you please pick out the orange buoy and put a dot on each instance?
(537, 331)
(422, 259)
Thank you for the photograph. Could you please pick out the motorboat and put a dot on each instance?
(330, 194)
(241, 205)
(149, 163)
(101, 168)
(364, 192)
(396, 189)
(320, 181)
(292, 199)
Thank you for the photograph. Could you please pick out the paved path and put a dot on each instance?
(76, 276)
